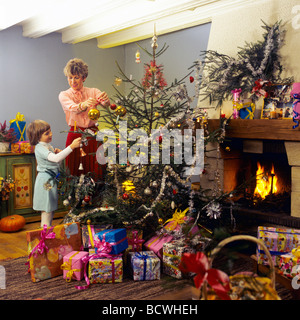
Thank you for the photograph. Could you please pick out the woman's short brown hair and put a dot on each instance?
(76, 67)
(35, 131)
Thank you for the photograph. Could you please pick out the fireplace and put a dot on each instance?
(261, 178)
(272, 146)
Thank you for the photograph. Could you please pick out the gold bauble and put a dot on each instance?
(160, 221)
(121, 111)
(94, 114)
(156, 114)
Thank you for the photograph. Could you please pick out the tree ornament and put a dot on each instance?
(118, 81)
(121, 111)
(113, 106)
(125, 196)
(87, 198)
(160, 221)
(94, 114)
(147, 191)
(156, 114)
(137, 57)
(173, 205)
(66, 202)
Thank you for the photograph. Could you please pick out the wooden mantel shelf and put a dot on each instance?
(261, 129)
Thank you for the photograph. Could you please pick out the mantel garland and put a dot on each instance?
(260, 60)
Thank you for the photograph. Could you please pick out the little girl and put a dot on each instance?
(48, 159)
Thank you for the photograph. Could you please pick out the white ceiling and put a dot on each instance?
(112, 22)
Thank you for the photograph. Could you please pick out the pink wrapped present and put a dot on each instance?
(73, 266)
(156, 243)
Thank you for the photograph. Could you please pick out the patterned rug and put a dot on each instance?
(20, 287)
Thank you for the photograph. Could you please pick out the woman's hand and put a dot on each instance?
(56, 150)
(90, 102)
(75, 143)
(103, 99)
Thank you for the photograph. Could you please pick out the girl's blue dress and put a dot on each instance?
(45, 198)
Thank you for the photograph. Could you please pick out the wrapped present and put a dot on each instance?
(279, 241)
(289, 263)
(172, 252)
(48, 246)
(22, 147)
(88, 234)
(116, 237)
(106, 270)
(73, 265)
(295, 93)
(156, 243)
(135, 240)
(19, 126)
(144, 265)
(247, 112)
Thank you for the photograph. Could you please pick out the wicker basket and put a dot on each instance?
(271, 294)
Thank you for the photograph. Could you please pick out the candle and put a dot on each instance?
(74, 125)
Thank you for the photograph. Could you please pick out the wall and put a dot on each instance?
(233, 29)
(32, 70)
(32, 75)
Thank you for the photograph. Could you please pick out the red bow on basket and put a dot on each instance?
(198, 263)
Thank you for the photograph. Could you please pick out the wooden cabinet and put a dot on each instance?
(22, 169)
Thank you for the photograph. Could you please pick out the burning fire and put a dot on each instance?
(265, 182)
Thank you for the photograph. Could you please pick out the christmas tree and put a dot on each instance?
(154, 144)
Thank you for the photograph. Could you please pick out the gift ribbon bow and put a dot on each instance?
(41, 246)
(198, 263)
(295, 113)
(178, 218)
(68, 266)
(19, 117)
(102, 246)
(135, 242)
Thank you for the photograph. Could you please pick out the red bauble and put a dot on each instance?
(174, 191)
(113, 106)
(87, 198)
(191, 79)
(125, 196)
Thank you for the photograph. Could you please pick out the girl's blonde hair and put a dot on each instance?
(76, 67)
(35, 130)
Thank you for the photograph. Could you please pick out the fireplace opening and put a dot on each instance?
(262, 181)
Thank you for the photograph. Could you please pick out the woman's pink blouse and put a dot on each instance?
(70, 100)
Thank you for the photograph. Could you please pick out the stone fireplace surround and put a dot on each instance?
(253, 133)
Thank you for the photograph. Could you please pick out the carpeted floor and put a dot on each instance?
(20, 287)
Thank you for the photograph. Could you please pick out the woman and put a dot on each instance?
(76, 103)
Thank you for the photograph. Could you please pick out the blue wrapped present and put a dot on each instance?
(117, 238)
(19, 126)
(247, 112)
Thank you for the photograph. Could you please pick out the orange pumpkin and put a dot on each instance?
(12, 223)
